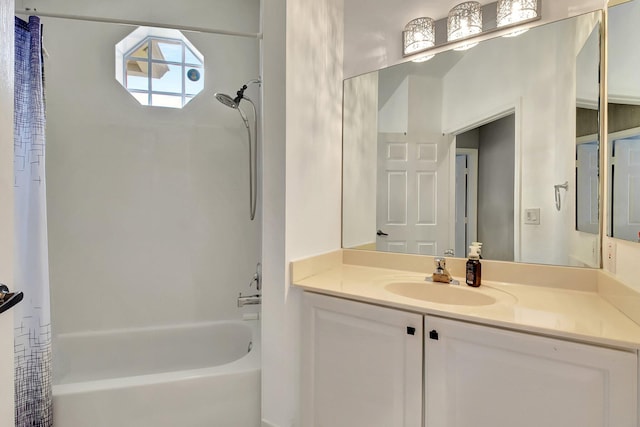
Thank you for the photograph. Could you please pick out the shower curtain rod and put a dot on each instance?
(28, 11)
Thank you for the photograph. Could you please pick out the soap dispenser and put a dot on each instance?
(474, 268)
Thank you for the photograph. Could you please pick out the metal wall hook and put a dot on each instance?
(557, 188)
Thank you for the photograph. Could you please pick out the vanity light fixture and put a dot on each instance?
(422, 58)
(465, 20)
(418, 35)
(511, 12)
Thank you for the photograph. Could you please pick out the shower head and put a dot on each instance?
(227, 100)
(253, 142)
(235, 102)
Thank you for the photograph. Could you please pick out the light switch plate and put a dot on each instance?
(532, 216)
(610, 257)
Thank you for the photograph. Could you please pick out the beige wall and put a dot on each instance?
(6, 207)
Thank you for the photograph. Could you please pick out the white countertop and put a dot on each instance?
(577, 315)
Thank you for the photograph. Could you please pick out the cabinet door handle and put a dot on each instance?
(433, 335)
(411, 330)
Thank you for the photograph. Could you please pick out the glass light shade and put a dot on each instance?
(511, 12)
(465, 20)
(418, 35)
(423, 58)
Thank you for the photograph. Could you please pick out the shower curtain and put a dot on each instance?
(32, 341)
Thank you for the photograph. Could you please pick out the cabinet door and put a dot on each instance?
(362, 365)
(479, 376)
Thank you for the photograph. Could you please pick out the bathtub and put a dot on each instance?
(199, 375)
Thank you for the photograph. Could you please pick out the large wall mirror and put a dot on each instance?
(624, 122)
(497, 144)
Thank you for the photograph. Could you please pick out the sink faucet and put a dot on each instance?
(442, 275)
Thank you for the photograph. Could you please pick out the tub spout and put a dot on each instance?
(248, 300)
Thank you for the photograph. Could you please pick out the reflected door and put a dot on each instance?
(413, 187)
(587, 160)
(461, 205)
(466, 200)
(626, 188)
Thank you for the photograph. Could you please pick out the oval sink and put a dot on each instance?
(440, 294)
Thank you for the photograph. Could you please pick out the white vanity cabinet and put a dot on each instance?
(478, 376)
(362, 365)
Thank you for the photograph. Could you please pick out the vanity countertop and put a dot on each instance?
(565, 313)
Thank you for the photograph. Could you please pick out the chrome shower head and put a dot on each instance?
(235, 102)
(227, 100)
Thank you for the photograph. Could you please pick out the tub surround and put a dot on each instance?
(584, 305)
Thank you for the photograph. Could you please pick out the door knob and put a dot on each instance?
(381, 233)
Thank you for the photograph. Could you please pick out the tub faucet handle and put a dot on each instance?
(249, 299)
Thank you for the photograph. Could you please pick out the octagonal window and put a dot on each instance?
(159, 67)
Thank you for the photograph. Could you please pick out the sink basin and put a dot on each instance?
(440, 294)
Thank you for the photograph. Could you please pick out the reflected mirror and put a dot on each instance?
(624, 122)
(495, 144)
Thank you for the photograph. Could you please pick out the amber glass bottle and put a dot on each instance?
(474, 269)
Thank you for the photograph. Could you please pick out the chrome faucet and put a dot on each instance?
(257, 279)
(249, 299)
(442, 275)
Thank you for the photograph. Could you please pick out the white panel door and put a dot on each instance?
(479, 376)
(588, 183)
(461, 206)
(413, 193)
(626, 188)
(466, 200)
(362, 365)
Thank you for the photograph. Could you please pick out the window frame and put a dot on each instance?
(185, 47)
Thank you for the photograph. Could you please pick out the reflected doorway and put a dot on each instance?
(485, 171)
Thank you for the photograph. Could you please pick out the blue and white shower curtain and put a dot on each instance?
(32, 317)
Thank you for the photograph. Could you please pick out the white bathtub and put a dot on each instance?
(200, 375)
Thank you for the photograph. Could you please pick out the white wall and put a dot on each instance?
(544, 99)
(425, 114)
(360, 153)
(6, 207)
(279, 315)
(584, 248)
(148, 208)
(623, 55)
(231, 15)
(313, 96)
(624, 61)
(394, 106)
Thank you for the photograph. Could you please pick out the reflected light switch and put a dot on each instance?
(532, 216)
